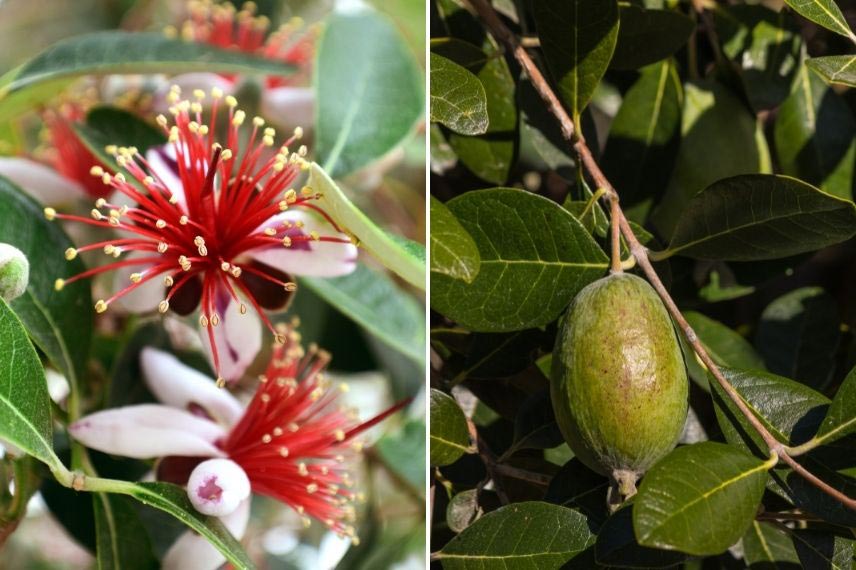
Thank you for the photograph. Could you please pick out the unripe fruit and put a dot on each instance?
(14, 272)
(619, 385)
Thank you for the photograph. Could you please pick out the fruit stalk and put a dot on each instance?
(505, 36)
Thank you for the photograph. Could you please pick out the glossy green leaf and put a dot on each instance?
(824, 551)
(405, 259)
(458, 99)
(535, 425)
(767, 546)
(759, 216)
(373, 301)
(534, 258)
(644, 137)
(798, 336)
(173, 500)
(578, 38)
(122, 540)
(616, 545)
(840, 418)
(59, 322)
(724, 345)
(489, 156)
(712, 117)
(789, 410)
(699, 499)
(648, 36)
(25, 408)
(518, 536)
(764, 46)
(117, 52)
(113, 126)
(815, 136)
(823, 12)
(368, 94)
(838, 69)
(450, 437)
(453, 251)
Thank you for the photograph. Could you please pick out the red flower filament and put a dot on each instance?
(223, 26)
(197, 242)
(69, 155)
(294, 439)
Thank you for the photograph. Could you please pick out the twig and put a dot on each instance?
(501, 32)
(490, 464)
(522, 474)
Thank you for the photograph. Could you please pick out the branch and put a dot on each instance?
(501, 32)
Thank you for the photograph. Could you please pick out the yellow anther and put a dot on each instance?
(216, 92)
(203, 321)
(136, 277)
(168, 281)
(239, 117)
(291, 196)
(258, 121)
(312, 488)
(226, 154)
(220, 382)
(266, 438)
(302, 470)
(96, 171)
(290, 286)
(283, 451)
(111, 149)
(314, 235)
(161, 120)
(50, 213)
(242, 309)
(100, 306)
(59, 284)
(270, 231)
(298, 132)
(162, 247)
(70, 253)
(199, 94)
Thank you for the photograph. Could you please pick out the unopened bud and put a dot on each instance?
(14, 272)
(217, 486)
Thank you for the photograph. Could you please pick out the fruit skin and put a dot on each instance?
(619, 384)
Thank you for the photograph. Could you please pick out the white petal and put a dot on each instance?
(145, 296)
(162, 161)
(178, 385)
(193, 551)
(310, 258)
(289, 106)
(331, 550)
(217, 487)
(42, 182)
(238, 339)
(148, 430)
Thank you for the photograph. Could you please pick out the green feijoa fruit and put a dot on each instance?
(619, 384)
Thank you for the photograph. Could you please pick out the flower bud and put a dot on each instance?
(217, 486)
(14, 272)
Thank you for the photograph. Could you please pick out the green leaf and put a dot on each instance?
(798, 336)
(406, 259)
(368, 94)
(373, 301)
(789, 410)
(760, 216)
(403, 451)
(117, 52)
(823, 12)
(616, 545)
(823, 550)
(712, 118)
(112, 126)
(577, 39)
(518, 536)
(450, 438)
(25, 408)
(644, 137)
(458, 99)
(767, 546)
(59, 322)
(764, 46)
(523, 282)
(535, 425)
(122, 540)
(699, 499)
(173, 500)
(815, 134)
(453, 251)
(489, 156)
(838, 69)
(726, 347)
(840, 418)
(648, 36)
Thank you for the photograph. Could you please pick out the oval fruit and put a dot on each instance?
(619, 384)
